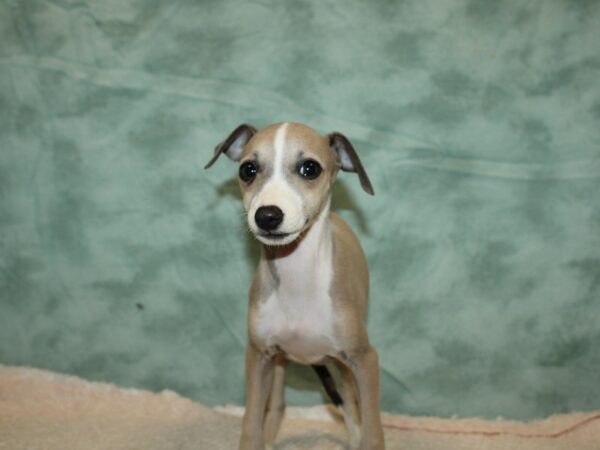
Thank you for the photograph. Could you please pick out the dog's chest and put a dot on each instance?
(301, 327)
(298, 316)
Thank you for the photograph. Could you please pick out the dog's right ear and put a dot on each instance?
(234, 144)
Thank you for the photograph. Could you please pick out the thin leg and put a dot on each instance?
(365, 368)
(259, 375)
(350, 406)
(276, 404)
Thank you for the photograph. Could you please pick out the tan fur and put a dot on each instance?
(348, 344)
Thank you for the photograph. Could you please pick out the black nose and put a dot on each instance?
(268, 218)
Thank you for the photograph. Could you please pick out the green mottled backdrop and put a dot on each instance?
(478, 122)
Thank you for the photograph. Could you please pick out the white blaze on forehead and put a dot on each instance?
(279, 146)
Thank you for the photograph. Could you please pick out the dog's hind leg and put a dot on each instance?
(349, 407)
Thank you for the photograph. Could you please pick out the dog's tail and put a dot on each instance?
(328, 384)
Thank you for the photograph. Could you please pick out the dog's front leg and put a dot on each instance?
(259, 374)
(365, 367)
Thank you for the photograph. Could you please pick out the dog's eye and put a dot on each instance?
(309, 169)
(248, 171)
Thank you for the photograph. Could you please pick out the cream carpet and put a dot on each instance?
(41, 410)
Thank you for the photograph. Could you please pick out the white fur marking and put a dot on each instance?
(279, 146)
(298, 316)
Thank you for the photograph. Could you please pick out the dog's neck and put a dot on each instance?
(303, 265)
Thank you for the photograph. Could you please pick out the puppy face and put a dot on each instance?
(285, 175)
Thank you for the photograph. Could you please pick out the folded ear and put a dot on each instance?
(234, 144)
(348, 159)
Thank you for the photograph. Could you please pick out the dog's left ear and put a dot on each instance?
(348, 159)
(234, 144)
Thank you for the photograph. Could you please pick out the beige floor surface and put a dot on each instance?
(41, 410)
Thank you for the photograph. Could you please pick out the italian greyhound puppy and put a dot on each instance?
(308, 300)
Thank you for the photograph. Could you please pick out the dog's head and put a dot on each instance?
(286, 172)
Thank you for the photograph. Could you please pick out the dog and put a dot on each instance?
(308, 299)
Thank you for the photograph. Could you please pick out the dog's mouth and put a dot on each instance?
(276, 238)
(274, 235)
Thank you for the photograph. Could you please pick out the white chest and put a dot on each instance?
(298, 315)
(300, 326)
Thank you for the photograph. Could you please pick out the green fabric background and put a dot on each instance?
(478, 122)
